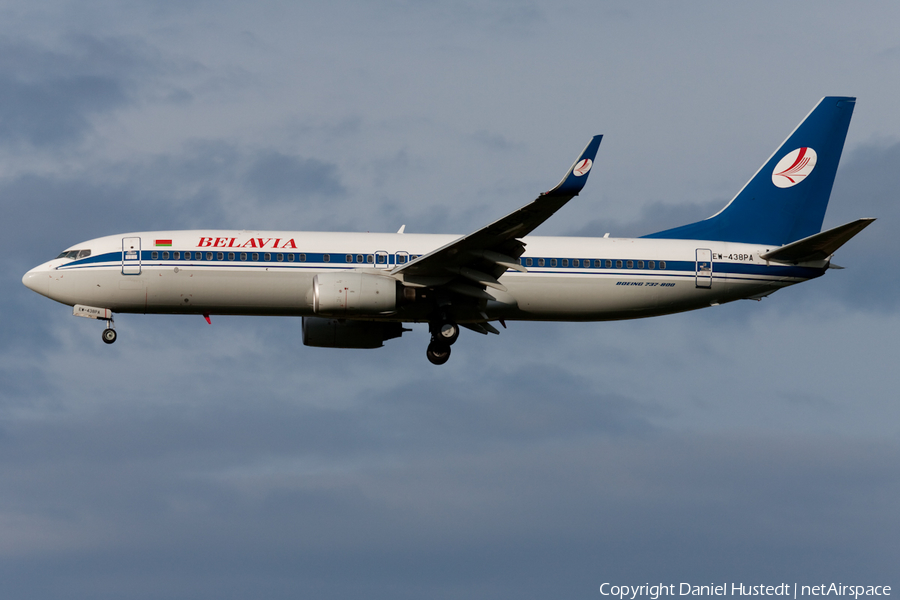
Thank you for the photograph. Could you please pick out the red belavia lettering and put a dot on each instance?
(357, 290)
(234, 242)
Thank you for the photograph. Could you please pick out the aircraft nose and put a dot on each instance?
(38, 281)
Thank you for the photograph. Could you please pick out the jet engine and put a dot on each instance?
(351, 292)
(340, 333)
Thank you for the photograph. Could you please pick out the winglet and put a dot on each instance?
(576, 177)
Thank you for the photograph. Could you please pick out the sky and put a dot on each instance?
(754, 442)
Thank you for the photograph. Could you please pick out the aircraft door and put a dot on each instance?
(131, 256)
(704, 268)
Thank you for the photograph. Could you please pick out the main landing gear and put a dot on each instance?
(444, 333)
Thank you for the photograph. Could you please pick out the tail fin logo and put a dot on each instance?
(794, 167)
(582, 167)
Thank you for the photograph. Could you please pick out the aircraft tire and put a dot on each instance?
(446, 333)
(109, 335)
(438, 353)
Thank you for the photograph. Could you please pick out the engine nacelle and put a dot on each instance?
(338, 333)
(352, 292)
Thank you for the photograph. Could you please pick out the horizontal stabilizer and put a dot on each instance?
(819, 246)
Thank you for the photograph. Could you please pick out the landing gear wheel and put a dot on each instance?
(445, 332)
(438, 353)
(109, 335)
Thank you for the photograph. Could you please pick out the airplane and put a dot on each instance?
(358, 290)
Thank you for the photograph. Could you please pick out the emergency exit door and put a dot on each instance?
(704, 268)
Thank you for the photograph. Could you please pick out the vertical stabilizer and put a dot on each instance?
(786, 199)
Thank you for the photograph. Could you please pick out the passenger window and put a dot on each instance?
(290, 258)
(165, 255)
(565, 262)
(267, 256)
(326, 258)
(608, 264)
(618, 264)
(243, 256)
(231, 256)
(154, 255)
(662, 264)
(540, 262)
(220, 256)
(279, 257)
(359, 258)
(303, 258)
(401, 259)
(576, 262)
(255, 256)
(640, 264)
(209, 256)
(370, 259)
(630, 264)
(529, 262)
(348, 258)
(651, 265)
(552, 262)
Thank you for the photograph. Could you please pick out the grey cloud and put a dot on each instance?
(276, 175)
(495, 141)
(655, 216)
(496, 518)
(55, 111)
(50, 96)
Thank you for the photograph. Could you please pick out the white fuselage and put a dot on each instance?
(272, 272)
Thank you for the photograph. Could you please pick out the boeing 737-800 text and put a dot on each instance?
(356, 290)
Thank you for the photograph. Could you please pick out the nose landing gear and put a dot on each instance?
(101, 314)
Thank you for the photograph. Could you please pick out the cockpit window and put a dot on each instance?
(74, 254)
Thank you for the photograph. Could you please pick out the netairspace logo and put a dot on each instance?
(654, 592)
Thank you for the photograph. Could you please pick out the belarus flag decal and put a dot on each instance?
(163, 243)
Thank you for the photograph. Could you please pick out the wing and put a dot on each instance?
(469, 264)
